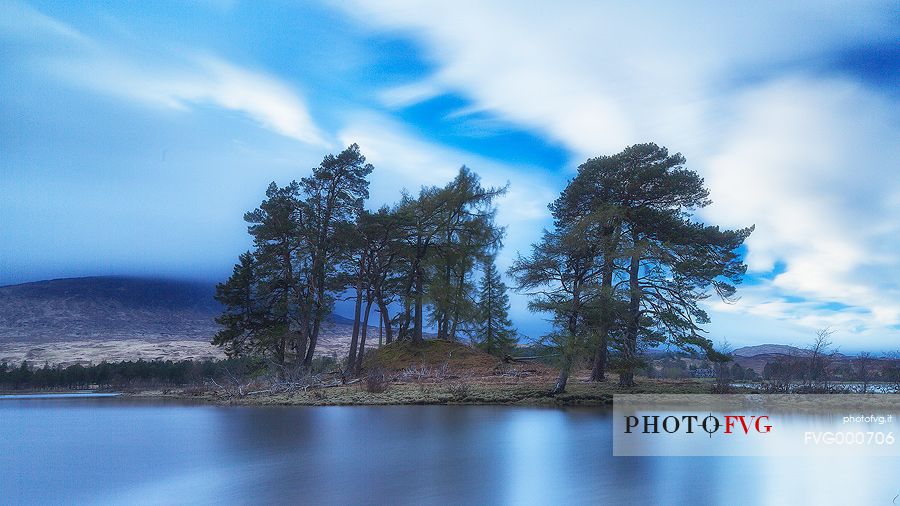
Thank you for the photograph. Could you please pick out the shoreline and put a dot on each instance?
(450, 393)
(580, 393)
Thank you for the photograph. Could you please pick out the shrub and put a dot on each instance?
(460, 390)
(376, 382)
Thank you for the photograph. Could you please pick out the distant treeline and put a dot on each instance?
(821, 371)
(125, 374)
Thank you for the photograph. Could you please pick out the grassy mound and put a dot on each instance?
(432, 353)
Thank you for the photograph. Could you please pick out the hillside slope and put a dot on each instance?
(121, 318)
(769, 349)
(107, 308)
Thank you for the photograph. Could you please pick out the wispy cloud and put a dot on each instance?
(597, 76)
(807, 153)
(199, 80)
(409, 94)
(813, 164)
(18, 20)
(178, 80)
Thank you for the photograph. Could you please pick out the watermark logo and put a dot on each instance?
(691, 424)
(755, 425)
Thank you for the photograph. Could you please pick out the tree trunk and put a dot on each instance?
(489, 315)
(280, 353)
(560, 386)
(362, 341)
(442, 314)
(314, 336)
(351, 358)
(417, 332)
(569, 347)
(626, 378)
(441, 318)
(317, 314)
(460, 295)
(405, 317)
(308, 322)
(313, 339)
(303, 343)
(598, 371)
(388, 332)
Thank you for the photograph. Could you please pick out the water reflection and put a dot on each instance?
(119, 451)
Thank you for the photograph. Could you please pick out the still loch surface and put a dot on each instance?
(118, 451)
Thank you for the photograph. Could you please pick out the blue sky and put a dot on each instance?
(134, 135)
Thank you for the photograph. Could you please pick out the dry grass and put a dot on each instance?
(470, 392)
(96, 351)
(444, 372)
(439, 361)
(437, 372)
(431, 354)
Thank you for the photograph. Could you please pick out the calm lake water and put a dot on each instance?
(113, 450)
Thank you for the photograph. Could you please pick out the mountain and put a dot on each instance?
(121, 318)
(756, 357)
(768, 349)
(107, 308)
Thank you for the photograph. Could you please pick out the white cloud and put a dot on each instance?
(408, 94)
(178, 80)
(767, 313)
(199, 80)
(598, 76)
(811, 160)
(21, 21)
(813, 164)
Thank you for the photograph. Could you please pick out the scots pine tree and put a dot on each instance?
(493, 331)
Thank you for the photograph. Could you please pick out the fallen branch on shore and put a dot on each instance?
(510, 358)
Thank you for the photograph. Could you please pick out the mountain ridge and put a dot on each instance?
(768, 349)
(122, 317)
